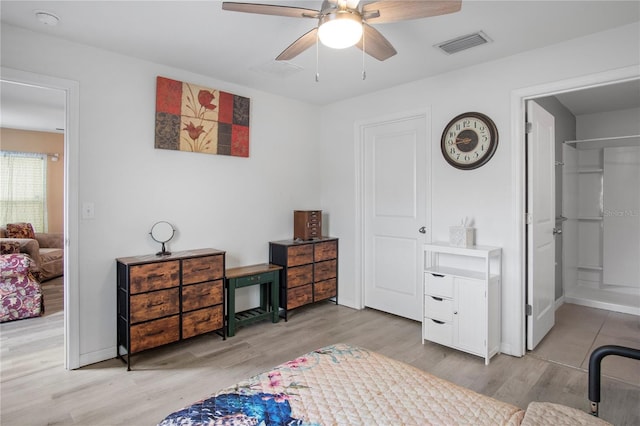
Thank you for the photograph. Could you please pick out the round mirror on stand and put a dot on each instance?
(162, 232)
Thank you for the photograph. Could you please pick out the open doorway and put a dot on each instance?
(597, 143)
(33, 157)
(69, 92)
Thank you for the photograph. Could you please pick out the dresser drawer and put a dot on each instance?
(325, 250)
(299, 255)
(438, 285)
(196, 296)
(325, 270)
(155, 333)
(438, 331)
(438, 308)
(300, 275)
(200, 269)
(299, 296)
(156, 304)
(154, 276)
(324, 289)
(202, 321)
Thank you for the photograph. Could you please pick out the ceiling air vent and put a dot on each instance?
(277, 68)
(463, 43)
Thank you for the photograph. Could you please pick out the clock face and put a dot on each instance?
(469, 140)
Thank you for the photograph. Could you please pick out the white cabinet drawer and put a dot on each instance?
(438, 331)
(438, 285)
(438, 308)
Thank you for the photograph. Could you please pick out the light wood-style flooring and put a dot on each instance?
(36, 390)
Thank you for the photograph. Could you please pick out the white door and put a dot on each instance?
(540, 223)
(395, 193)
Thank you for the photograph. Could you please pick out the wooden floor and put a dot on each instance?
(36, 390)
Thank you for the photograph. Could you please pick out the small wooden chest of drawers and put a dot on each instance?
(310, 271)
(165, 299)
(307, 224)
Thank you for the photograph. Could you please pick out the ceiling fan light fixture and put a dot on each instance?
(340, 29)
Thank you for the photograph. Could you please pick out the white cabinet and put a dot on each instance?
(461, 306)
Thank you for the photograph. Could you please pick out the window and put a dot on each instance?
(23, 189)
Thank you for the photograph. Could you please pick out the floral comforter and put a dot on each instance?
(346, 385)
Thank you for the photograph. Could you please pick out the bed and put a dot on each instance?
(348, 385)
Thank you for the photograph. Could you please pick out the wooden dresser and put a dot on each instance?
(164, 299)
(310, 271)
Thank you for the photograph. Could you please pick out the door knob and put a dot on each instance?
(422, 230)
(557, 231)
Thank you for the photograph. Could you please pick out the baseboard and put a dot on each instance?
(348, 303)
(559, 302)
(507, 349)
(632, 310)
(97, 356)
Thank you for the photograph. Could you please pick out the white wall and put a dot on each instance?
(230, 203)
(487, 194)
(240, 204)
(624, 122)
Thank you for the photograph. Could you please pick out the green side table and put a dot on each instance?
(268, 277)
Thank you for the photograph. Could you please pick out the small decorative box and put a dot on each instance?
(462, 236)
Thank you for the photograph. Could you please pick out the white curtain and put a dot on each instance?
(23, 189)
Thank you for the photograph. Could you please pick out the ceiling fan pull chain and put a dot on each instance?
(364, 73)
(317, 58)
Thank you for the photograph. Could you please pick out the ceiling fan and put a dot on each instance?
(344, 23)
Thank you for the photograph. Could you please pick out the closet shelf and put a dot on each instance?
(606, 142)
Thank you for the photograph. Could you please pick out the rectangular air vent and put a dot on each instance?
(277, 68)
(463, 43)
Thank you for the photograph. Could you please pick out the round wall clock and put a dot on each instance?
(469, 140)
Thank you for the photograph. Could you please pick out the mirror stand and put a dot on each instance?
(163, 252)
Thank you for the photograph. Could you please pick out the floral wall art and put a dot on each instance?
(198, 119)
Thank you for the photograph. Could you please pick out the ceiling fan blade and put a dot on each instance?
(393, 11)
(300, 45)
(268, 9)
(375, 44)
(352, 4)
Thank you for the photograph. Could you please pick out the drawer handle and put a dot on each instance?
(156, 303)
(438, 322)
(438, 275)
(202, 269)
(155, 276)
(155, 333)
(439, 299)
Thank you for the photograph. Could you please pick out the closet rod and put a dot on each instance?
(612, 139)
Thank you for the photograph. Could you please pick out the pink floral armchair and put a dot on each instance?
(20, 292)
